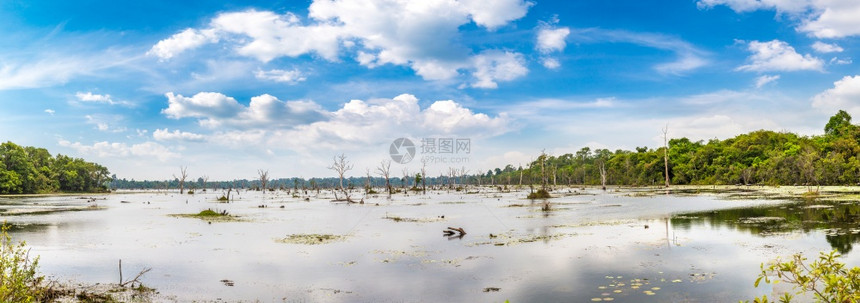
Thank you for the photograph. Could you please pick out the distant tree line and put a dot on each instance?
(760, 157)
(29, 170)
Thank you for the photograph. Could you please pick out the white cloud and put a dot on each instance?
(552, 39)
(840, 61)
(783, 6)
(287, 76)
(822, 47)
(688, 57)
(360, 124)
(89, 97)
(423, 35)
(105, 123)
(216, 109)
(845, 95)
(185, 40)
(50, 111)
(166, 135)
(550, 63)
(837, 19)
(819, 18)
(765, 79)
(492, 66)
(777, 55)
(106, 149)
(497, 14)
(58, 69)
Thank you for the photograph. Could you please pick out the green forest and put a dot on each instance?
(760, 157)
(31, 170)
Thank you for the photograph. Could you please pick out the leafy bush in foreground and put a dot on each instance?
(826, 278)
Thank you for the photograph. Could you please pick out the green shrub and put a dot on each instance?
(21, 281)
(540, 194)
(826, 278)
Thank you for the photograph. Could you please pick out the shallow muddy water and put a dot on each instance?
(620, 245)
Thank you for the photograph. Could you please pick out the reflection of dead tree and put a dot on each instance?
(384, 170)
(341, 166)
(182, 175)
(264, 178)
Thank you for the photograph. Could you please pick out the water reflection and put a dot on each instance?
(839, 221)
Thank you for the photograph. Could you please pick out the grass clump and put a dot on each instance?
(211, 215)
(539, 194)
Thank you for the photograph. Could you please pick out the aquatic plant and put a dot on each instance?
(539, 194)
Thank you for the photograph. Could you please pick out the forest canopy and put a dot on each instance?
(760, 157)
(31, 170)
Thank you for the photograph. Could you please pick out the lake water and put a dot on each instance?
(620, 245)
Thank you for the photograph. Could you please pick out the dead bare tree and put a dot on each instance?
(666, 153)
(367, 185)
(384, 170)
(341, 166)
(264, 178)
(602, 166)
(205, 180)
(423, 176)
(182, 176)
(405, 178)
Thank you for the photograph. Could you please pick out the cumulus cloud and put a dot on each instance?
(550, 63)
(765, 79)
(176, 135)
(552, 39)
(50, 111)
(423, 35)
(216, 109)
(182, 41)
(376, 121)
(106, 149)
(845, 95)
(356, 123)
(493, 66)
(822, 47)
(777, 55)
(819, 18)
(287, 76)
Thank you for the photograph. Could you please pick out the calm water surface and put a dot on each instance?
(624, 245)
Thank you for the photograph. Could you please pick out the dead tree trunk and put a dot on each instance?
(341, 166)
(182, 176)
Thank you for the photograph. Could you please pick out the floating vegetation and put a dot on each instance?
(415, 220)
(312, 239)
(760, 220)
(210, 215)
(509, 240)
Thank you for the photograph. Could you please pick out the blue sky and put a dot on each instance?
(227, 88)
